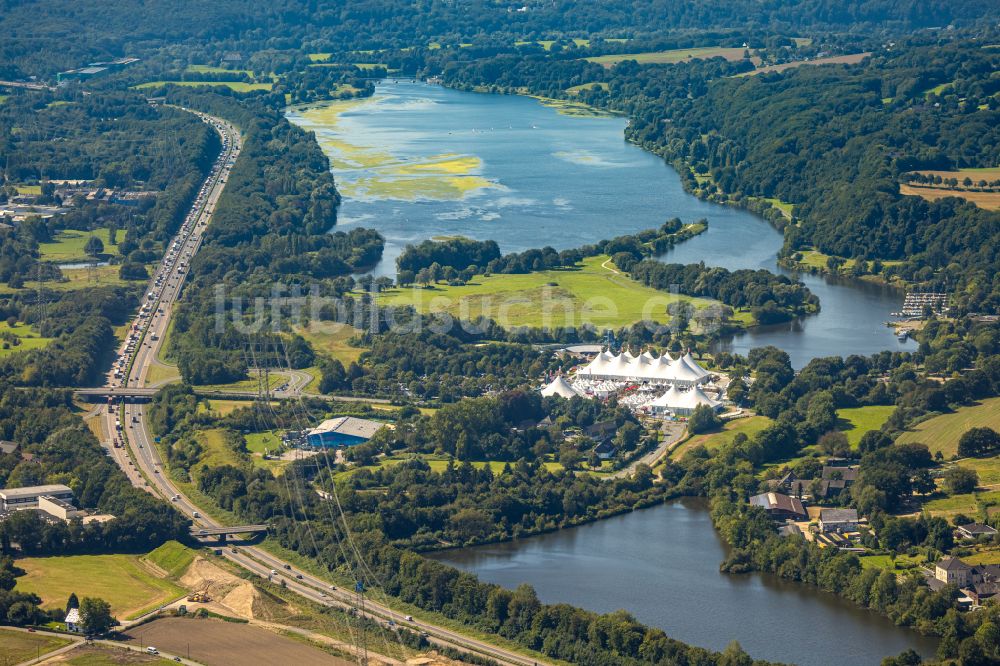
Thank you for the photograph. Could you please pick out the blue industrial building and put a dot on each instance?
(343, 431)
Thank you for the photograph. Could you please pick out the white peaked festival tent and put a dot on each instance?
(683, 403)
(560, 387)
(683, 372)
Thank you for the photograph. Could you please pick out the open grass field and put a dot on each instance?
(749, 426)
(218, 643)
(18, 646)
(942, 433)
(27, 338)
(121, 580)
(226, 407)
(891, 564)
(275, 379)
(985, 200)
(970, 505)
(816, 259)
(261, 442)
(172, 557)
(331, 339)
(159, 374)
(212, 69)
(590, 293)
(573, 90)
(78, 278)
(671, 56)
(238, 86)
(851, 59)
(856, 421)
(215, 451)
(69, 243)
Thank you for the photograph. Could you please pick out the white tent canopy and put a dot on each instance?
(683, 371)
(559, 386)
(683, 403)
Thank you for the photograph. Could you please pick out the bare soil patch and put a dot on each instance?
(219, 643)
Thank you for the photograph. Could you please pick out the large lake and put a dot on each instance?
(418, 161)
(662, 565)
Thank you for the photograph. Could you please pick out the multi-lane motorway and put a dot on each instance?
(134, 449)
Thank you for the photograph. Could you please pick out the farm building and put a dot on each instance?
(780, 506)
(342, 431)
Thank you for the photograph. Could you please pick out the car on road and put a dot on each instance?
(408, 618)
(288, 566)
(196, 514)
(299, 576)
(152, 650)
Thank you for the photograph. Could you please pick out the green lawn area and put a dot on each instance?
(238, 86)
(158, 374)
(671, 56)
(817, 259)
(226, 407)
(122, 580)
(212, 69)
(938, 89)
(439, 463)
(942, 433)
(331, 339)
(590, 293)
(785, 207)
(28, 189)
(27, 338)
(18, 646)
(275, 379)
(68, 245)
(317, 57)
(856, 421)
(587, 86)
(888, 563)
(749, 426)
(173, 557)
(259, 442)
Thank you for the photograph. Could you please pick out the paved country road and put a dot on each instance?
(138, 455)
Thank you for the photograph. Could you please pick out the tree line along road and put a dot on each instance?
(129, 428)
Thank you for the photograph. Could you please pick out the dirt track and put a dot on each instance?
(219, 643)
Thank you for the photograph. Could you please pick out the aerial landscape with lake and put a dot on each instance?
(602, 332)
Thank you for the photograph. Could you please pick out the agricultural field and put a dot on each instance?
(942, 433)
(238, 86)
(671, 56)
(856, 421)
(590, 293)
(985, 200)
(851, 59)
(214, 643)
(749, 426)
(331, 339)
(25, 338)
(104, 655)
(124, 581)
(69, 243)
(18, 646)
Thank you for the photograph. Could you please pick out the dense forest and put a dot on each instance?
(67, 35)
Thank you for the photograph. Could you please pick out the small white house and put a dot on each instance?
(72, 621)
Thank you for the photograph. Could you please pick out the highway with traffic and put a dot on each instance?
(134, 448)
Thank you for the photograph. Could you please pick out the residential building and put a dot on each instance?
(838, 520)
(343, 431)
(953, 571)
(780, 506)
(974, 531)
(73, 622)
(605, 450)
(12, 499)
